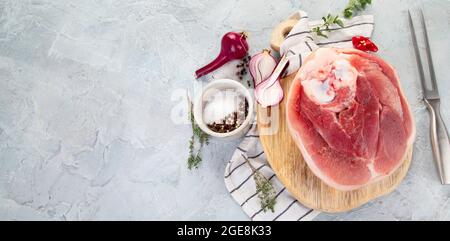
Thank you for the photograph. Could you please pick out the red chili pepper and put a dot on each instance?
(364, 44)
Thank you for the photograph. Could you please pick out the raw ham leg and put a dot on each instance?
(348, 115)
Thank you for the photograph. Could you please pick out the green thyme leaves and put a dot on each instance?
(327, 22)
(264, 188)
(195, 158)
(355, 6)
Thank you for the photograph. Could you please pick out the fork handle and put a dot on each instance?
(439, 141)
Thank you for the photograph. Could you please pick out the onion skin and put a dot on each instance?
(269, 95)
(233, 46)
(261, 66)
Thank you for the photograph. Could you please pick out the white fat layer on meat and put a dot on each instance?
(371, 167)
(345, 74)
(323, 78)
(319, 91)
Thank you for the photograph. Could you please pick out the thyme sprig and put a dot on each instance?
(264, 188)
(355, 6)
(327, 22)
(195, 158)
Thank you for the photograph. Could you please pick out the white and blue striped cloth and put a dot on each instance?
(238, 175)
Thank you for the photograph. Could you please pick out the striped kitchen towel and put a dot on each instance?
(300, 41)
(238, 175)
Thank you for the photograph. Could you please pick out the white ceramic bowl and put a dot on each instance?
(212, 88)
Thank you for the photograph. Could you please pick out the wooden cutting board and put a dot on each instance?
(287, 162)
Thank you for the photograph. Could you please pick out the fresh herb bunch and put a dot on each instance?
(354, 6)
(264, 188)
(195, 158)
(327, 22)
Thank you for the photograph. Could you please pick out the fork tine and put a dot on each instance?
(430, 60)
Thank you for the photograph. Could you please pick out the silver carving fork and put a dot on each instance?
(439, 134)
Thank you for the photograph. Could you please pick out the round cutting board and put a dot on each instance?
(287, 162)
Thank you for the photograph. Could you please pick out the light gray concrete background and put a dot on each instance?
(87, 91)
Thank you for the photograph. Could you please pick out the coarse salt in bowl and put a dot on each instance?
(218, 102)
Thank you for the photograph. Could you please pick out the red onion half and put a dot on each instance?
(269, 94)
(261, 67)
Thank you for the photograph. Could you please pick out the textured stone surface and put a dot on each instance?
(90, 126)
